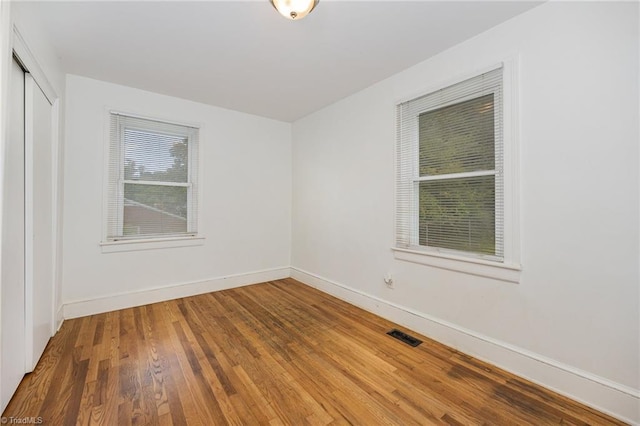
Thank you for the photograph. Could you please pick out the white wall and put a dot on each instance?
(39, 44)
(246, 202)
(573, 321)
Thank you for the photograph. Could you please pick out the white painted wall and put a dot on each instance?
(577, 305)
(246, 200)
(39, 44)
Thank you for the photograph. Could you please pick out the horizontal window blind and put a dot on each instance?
(152, 179)
(449, 169)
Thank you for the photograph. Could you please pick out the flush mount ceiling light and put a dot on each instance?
(294, 9)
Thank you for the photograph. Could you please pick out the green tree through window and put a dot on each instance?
(458, 212)
(168, 199)
(152, 179)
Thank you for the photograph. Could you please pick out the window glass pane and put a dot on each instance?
(155, 156)
(458, 214)
(154, 209)
(457, 138)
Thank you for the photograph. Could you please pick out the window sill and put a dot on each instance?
(483, 268)
(150, 244)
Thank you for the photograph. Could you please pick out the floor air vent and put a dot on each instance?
(404, 337)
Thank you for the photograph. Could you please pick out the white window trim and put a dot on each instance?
(510, 268)
(124, 245)
(151, 244)
(468, 265)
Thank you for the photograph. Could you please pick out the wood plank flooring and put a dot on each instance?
(273, 353)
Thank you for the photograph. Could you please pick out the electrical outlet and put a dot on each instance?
(388, 279)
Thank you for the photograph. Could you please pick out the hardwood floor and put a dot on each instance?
(271, 353)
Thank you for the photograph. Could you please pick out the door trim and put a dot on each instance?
(31, 65)
(28, 220)
(35, 76)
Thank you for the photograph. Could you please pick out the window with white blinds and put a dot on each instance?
(450, 189)
(152, 179)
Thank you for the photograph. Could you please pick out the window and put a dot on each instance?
(152, 179)
(450, 173)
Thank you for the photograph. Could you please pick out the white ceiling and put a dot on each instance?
(242, 55)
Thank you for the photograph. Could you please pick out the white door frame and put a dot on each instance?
(12, 333)
(29, 63)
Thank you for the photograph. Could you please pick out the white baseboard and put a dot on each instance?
(609, 397)
(59, 318)
(114, 302)
(613, 398)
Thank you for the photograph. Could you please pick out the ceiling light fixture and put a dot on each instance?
(294, 9)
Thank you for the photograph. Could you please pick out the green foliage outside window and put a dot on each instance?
(458, 212)
(169, 199)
